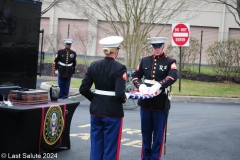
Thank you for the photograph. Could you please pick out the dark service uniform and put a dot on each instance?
(161, 69)
(65, 62)
(155, 69)
(107, 75)
(106, 107)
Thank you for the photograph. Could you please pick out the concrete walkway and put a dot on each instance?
(175, 98)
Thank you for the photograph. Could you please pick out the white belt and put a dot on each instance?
(63, 64)
(106, 93)
(149, 81)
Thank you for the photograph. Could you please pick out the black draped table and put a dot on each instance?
(36, 129)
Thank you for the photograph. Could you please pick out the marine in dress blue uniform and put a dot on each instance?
(106, 107)
(65, 66)
(159, 72)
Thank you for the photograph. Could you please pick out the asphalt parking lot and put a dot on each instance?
(196, 131)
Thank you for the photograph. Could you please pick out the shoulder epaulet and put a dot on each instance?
(72, 50)
(147, 56)
(166, 56)
(97, 61)
(119, 62)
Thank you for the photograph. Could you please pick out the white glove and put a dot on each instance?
(155, 89)
(127, 95)
(8, 102)
(143, 89)
(56, 71)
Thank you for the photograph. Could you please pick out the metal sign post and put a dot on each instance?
(180, 37)
(68, 30)
(180, 69)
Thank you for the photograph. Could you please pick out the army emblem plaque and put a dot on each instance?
(53, 125)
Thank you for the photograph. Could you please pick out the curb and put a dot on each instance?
(45, 86)
(175, 98)
(205, 99)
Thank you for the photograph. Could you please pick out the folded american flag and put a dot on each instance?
(135, 94)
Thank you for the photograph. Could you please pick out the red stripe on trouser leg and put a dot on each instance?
(161, 148)
(119, 140)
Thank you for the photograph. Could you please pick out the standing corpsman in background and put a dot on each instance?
(65, 66)
(160, 72)
(106, 107)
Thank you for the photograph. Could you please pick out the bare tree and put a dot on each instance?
(84, 39)
(50, 39)
(132, 19)
(233, 7)
(50, 4)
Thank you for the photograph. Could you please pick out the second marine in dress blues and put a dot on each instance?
(159, 72)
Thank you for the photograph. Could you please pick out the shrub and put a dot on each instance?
(224, 58)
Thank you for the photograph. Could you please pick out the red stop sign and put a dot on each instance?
(180, 35)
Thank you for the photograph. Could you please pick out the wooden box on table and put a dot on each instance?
(28, 97)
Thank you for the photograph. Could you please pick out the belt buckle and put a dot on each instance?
(66, 64)
(153, 82)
